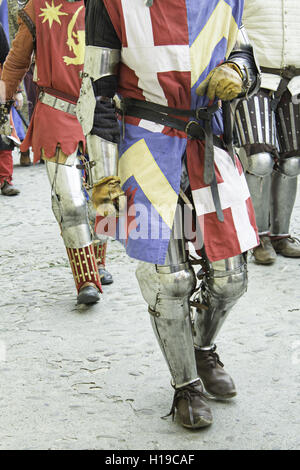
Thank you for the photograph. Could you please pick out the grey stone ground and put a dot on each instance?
(94, 378)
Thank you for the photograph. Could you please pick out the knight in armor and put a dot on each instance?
(169, 63)
(268, 125)
(55, 33)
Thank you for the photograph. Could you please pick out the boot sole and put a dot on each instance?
(87, 300)
(10, 194)
(288, 256)
(106, 283)
(227, 397)
(202, 423)
(264, 262)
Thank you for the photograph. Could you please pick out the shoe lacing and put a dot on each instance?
(212, 357)
(264, 240)
(293, 239)
(185, 393)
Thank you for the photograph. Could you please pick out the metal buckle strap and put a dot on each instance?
(57, 103)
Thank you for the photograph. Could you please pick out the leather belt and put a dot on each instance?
(57, 103)
(170, 117)
(286, 72)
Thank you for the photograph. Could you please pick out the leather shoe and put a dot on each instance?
(289, 247)
(105, 277)
(217, 382)
(25, 159)
(8, 189)
(88, 295)
(190, 404)
(264, 253)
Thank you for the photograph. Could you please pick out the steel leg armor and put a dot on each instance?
(69, 204)
(167, 290)
(258, 177)
(70, 209)
(223, 284)
(283, 195)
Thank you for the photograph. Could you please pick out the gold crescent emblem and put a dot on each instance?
(75, 42)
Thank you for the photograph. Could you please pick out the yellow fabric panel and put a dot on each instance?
(221, 24)
(138, 161)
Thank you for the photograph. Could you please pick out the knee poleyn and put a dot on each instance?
(289, 167)
(167, 287)
(260, 164)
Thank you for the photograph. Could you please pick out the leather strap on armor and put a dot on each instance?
(287, 72)
(286, 75)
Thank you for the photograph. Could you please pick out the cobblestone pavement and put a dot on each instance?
(93, 378)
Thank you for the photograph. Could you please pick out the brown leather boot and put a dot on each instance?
(264, 253)
(217, 383)
(25, 159)
(192, 409)
(289, 246)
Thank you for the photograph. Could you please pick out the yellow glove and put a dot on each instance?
(224, 82)
(105, 196)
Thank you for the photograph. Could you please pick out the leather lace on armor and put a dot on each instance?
(185, 393)
(212, 357)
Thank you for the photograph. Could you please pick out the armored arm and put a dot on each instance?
(95, 109)
(237, 76)
(243, 58)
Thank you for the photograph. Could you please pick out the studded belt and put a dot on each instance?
(57, 103)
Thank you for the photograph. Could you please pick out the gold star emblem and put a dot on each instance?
(52, 13)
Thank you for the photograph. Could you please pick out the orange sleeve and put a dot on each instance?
(19, 57)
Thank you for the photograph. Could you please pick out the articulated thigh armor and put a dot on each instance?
(167, 290)
(283, 194)
(223, 284)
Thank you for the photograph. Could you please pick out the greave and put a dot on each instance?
(167, 294)
(70, 209)
(167, 290)
(223, 284)
(260, 190)
(283, 195)
(69, 204)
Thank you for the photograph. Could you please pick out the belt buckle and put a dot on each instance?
(186, 129)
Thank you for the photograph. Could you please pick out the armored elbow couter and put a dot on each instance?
(243, 57)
